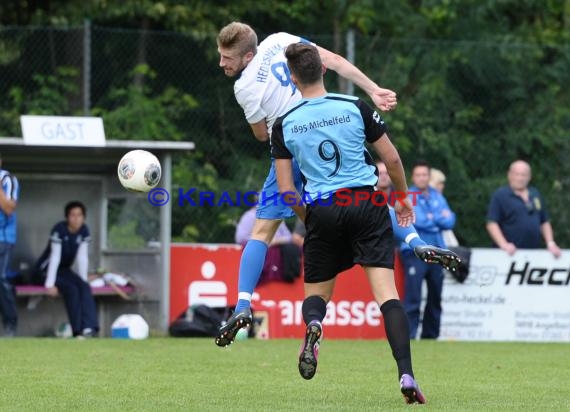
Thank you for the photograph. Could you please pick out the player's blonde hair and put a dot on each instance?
(238, 36)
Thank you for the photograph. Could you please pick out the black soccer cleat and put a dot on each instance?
(411, 390)
(444, 257)
(228, 332)
(310, 349)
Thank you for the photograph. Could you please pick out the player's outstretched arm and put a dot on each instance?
(385, 149)
(391, 158)
(384, 99)
(260, 131)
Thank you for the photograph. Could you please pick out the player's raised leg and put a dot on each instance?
(428, 253)
(406, 234)
(253, 258)
(271, 210)
(251, 265)
(397, 329)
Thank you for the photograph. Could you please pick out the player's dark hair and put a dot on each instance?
(304, 62)
(421, 163)
(72, 205)
(238, 36)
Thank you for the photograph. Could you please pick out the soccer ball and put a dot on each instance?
(139, 171)
(242, 334)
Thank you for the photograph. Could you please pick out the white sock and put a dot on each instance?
(409, 238)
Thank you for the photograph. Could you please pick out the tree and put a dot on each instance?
(480, 83)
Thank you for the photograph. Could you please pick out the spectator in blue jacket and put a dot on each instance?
(433, 215)
(9, 190)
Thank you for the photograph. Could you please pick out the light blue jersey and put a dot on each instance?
(326, 136)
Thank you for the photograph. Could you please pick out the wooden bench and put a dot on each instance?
(31, 290)
(106, 297)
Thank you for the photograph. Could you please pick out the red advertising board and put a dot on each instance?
(208, 274)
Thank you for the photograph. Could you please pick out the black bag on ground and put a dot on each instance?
(197, 321)
(291, 261)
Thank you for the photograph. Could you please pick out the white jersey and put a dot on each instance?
(265, 90)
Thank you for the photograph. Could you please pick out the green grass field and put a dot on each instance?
(162, 374)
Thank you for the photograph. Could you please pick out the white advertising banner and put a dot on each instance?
(524, 297)
(62, 131)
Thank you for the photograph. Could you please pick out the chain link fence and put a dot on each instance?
(465, 106)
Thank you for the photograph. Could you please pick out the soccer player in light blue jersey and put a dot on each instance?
(326, 134)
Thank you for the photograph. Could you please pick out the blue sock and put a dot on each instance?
(250, 267)
(416, 241)
(405, 234)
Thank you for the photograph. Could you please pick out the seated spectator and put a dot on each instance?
(67, 246)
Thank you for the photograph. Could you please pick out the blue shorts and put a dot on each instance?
(270, 204)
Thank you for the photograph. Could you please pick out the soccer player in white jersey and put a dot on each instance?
(264, 90)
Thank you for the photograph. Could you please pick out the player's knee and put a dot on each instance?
(387, 296)
(264, 230)
(326, 297)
